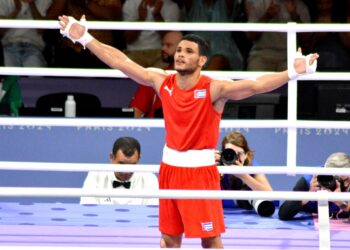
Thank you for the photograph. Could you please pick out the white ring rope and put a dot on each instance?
(173, 194)
(183, 26)
(159, 123)
(85, 167)
(113, 73)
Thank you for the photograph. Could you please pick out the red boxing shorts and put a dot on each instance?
(196, 218)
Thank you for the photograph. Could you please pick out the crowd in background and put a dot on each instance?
(229, 50)
(257, 51)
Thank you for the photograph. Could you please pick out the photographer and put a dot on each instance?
(310, 183)
(236, 152)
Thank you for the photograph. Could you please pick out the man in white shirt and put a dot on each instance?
(126, 150)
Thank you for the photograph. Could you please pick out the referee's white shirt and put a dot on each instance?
(104, 180)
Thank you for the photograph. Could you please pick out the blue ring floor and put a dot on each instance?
(62, 224)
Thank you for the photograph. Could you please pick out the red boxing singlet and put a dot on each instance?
(191, 121)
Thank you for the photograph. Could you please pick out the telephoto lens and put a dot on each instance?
(263, 208)
(228, 156)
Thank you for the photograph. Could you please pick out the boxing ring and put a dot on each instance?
(74, 226)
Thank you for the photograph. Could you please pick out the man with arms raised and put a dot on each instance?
(192, 108)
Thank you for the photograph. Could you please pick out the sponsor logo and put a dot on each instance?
(169, 90)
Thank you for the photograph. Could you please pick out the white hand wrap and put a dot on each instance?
(84, 39)
(292, 74)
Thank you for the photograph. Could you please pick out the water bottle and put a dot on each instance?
(70, 107)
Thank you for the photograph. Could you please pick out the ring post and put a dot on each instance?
(323, 221)
(292, 99)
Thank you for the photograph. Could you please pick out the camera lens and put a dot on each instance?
(327, 181)
(263, 208)
(228, 156)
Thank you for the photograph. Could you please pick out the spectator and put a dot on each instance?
(146, 102)
(332, 46)
(239, 154)
(269, 49)
(10, 95)
(309, 183)
(143, 46)
(10, 92)
(126, 150)
(63, 53)
(224, 52)
(23, 47)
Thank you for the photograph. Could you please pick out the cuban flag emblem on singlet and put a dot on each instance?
(200, 93)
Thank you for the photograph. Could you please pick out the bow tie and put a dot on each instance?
(125, 184)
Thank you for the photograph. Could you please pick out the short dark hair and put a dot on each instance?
(127, 145)
(202, 44)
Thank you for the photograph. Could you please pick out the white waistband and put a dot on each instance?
(189, 158)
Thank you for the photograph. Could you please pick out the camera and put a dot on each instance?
(228, 156)
(330, 182)
(263, 208)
